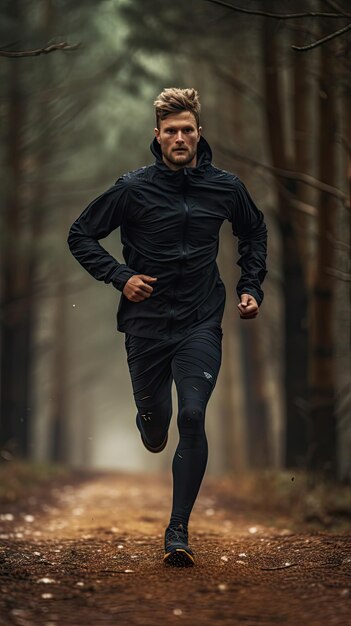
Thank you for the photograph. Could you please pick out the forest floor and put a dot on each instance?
(87, 549)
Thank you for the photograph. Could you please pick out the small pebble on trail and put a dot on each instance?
(177, 612)
(46, 580)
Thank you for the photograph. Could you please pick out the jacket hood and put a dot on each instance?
(204, 155)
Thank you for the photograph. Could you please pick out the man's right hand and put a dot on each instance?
(137, 288)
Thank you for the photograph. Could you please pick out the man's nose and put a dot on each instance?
(179, 138)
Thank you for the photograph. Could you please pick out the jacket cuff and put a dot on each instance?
(121, 276)
(258, 295)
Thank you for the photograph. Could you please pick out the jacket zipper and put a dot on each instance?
(184, 253)
(186, 207)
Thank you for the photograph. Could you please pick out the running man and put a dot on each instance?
(171, 308)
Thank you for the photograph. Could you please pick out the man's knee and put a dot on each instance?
(191, 419)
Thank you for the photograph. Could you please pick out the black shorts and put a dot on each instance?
(192, 362)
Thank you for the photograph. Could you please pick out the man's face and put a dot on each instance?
(178, 137)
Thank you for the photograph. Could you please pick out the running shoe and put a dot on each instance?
(146, 444)
(177, 551)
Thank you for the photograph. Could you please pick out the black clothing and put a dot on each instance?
(170, 222)
(177, 551)
(193, 362)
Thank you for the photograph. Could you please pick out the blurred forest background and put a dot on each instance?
(74, 120)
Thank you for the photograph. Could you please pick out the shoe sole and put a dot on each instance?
(179, 558)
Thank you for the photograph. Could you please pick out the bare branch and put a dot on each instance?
(303, 207)
(278, 16)
(285, 566)
(288, 16)
(337, 7)
(319, 42)
(282, 173)
(63, 45)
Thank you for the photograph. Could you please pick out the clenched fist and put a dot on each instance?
(248, 306)
(137, 288)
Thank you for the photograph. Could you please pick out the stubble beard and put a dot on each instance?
(182, 160)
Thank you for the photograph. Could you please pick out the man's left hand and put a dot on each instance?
(248, 306)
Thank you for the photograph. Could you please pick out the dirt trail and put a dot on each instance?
(89, 551)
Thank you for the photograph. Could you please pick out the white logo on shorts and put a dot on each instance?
(208, 375)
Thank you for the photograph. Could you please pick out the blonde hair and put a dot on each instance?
(174, 100)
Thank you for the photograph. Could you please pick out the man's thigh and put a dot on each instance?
(149, 363)
(196, 364)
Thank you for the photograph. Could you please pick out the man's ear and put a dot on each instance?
(199, 131)
(157, 134)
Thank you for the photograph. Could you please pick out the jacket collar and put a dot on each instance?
(204, 158)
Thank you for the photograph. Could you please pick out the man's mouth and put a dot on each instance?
(179, 150)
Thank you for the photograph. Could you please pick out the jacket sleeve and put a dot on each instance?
(249, 226)
(99, 219)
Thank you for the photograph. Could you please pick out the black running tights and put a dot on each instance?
(193, 363)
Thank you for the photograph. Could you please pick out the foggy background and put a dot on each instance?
(73, 121)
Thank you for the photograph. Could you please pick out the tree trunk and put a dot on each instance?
(322, 432)
(232, 407)
(14, 313)
(60, 440)
(294, 287)
(301, 135)
(257, 430)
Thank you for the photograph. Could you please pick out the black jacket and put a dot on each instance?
(170, 222)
